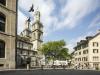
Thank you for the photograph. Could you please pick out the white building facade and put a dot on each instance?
(87, 53)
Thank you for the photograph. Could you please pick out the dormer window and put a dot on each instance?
(3, 2)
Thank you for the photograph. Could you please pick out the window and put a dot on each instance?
(18, 44)
(84, 59)
(2, 22)
(79, 53)
(95, 65)
(3, 2)
(1, 65)
(34, 36)
(75, 54)
(79, 59)
(25, 45)
(2, 49)
(39, 36)
(75, 59)
(95, 58)
(95, 44)
(85, 52)
(95, 51)
(79, 47)
(84, 46)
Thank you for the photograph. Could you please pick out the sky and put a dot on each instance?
(69, 20)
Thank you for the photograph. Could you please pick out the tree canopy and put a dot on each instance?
(55, 50)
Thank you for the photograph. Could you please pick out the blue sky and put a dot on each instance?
(71, 20)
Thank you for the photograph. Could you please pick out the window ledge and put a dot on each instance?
(2, 58)
(4, 33)
(5, 7)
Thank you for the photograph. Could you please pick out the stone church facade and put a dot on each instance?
(29, 42)
(15, 49)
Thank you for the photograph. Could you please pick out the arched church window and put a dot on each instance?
(3, 2)
(2, 49)
(2, 22)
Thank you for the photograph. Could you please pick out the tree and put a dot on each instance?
(63, 54)
(55, 50)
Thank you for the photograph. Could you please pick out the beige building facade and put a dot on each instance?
(7, 33)
(87, 53)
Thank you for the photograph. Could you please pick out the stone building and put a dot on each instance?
(29, 42)
(87, 53)
(15, 49)
(7, 33)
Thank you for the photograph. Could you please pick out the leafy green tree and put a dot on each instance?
(63, 54)
(55, 50)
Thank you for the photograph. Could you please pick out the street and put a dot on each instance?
(50, 72)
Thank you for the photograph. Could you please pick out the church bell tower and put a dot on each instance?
(26, 32)
(37, 32)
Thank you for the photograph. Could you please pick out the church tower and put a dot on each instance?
(37, 32)
(26, 32)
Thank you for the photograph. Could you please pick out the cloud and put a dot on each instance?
(69, 17)
(75, 10)
(95, 22)
(71, 13)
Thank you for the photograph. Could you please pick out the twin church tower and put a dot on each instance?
(34, 32)
(31, 40)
